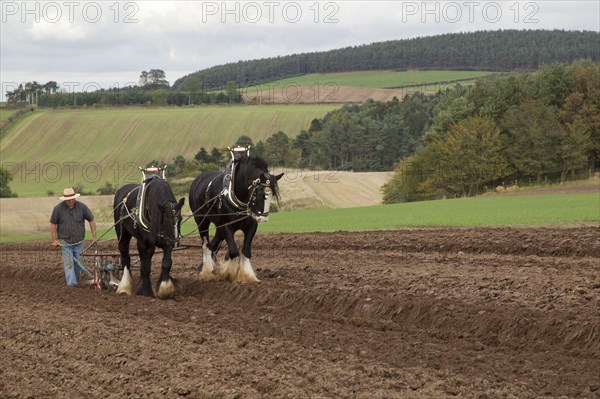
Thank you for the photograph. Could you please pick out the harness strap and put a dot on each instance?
(228, 187)
(140, 213)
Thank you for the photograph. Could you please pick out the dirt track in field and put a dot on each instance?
(436, 313)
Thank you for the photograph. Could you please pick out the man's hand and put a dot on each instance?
(56, 243)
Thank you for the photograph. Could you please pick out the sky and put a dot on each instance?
(86, 45)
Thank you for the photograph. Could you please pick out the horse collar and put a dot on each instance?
(140, 205)
(228, 186)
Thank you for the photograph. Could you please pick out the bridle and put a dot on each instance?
(229, 191)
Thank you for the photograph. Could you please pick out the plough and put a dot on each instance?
(106, 272)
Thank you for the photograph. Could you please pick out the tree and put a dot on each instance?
(231, 88)
(575, 148)
(534, 137)
(5, 179)
(244, 141)
(315, 125)
(160, 97)
(277, 149)
(303, 143)
(143, 79)
(154, 79)
(554, 83)
(581, 109)
(469, 157)
(216, 157)
(194, 87)
(404, 185)
(107, 189)
(51, 87)
(453, 107)
(177, 166)
(202, 155)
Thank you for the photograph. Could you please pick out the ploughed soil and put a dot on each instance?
(427, 313)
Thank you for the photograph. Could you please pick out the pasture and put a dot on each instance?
(52, 149)
(355, 86)
(379, 79)
(464, 212)
(6, 113)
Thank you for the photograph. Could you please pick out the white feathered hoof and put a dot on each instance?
(166, 289)
(230, 269)
(207, 275)
(126, 283)
(208, 266)
(246, 274)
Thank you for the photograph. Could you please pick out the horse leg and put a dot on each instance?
(126, 284)
(208, 261)
(145, 287)
(166, 287)
(231, 266)
(246, 274)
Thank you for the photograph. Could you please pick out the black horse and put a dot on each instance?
(154, 219)
(234, 199)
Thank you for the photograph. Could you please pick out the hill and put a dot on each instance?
(356, 87)
(52, 149)
(485, 50)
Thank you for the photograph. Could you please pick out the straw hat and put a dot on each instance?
(69, 194)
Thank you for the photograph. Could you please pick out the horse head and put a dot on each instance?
(256, 186)
(262, 191)
(170, 220)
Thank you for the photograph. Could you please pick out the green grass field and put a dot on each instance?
(532, 210)
(52, 149)
(6, 113)
(462, 212)
(479, 211)
(375, 79)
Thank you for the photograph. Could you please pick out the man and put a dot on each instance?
(67, 225)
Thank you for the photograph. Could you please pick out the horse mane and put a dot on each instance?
(163, 190)
(255, 161)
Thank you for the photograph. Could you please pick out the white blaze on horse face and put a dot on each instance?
(126, 284)
(265, 215)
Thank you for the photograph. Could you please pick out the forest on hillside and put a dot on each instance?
(522, 127)
(504, 50)
(485, 50)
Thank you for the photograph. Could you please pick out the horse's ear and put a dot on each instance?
(279, 176)
(180, 204)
